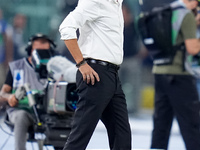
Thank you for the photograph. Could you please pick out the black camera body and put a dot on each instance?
(55, 105)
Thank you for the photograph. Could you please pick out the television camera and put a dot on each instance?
(54, 106)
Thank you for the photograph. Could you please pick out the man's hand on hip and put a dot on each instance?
(89, 75)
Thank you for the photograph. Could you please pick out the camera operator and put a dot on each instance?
(21, 72)
(175, 89)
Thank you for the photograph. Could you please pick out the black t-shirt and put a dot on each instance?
(9, 78)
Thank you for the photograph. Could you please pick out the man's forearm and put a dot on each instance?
(73, 47)
(4, 97)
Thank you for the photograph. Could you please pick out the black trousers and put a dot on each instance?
(106, 101)
(176, 95)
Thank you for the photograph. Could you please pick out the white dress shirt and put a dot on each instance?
(101, 24)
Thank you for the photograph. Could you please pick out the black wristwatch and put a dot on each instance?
(81, 63)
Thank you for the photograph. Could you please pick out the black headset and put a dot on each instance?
(38, 36)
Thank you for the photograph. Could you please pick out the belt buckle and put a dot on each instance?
(103, 63)
(93, 61)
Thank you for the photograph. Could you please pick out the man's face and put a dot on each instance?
(191, 4)
(40, 44)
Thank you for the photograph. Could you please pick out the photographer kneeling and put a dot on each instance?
(20, 72)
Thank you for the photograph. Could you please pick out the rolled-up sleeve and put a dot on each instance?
(68, 28)
(87, 10)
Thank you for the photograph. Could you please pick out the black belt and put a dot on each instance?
(103, 63)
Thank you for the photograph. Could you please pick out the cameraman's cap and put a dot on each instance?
(42, 36)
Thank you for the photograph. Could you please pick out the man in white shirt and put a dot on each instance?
(98, 54)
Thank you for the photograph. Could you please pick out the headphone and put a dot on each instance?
(39, 36)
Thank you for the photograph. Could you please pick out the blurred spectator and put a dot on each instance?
(66, 6)
(130, 34)
(129, 71)
(197, 18)
(19, 24)
(175, 89)
(6, 47)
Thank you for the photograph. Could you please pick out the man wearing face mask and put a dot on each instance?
(20, 72)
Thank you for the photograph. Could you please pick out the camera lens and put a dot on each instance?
(72, 97)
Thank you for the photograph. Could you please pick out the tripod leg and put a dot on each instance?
(40, 144)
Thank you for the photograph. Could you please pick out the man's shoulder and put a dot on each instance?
(179, 6)
(17, 62)
(189, 18)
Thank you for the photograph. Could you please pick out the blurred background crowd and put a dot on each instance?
(19, 19)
